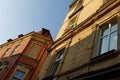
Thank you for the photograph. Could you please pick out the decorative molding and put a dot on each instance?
(93, 61)
(90, 20)
(76, 11)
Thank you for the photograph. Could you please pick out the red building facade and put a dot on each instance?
(23, 57)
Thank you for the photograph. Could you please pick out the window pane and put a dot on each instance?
(54, 68)
(18, 75)
(105, 31)
(103, 45)
(21, 75)
(113, 41)
(60, 54)
(114, 27)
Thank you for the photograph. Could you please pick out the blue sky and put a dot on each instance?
(23, 16)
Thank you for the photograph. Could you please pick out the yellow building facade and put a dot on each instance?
(87, 45)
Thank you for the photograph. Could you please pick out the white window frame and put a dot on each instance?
(109, 34)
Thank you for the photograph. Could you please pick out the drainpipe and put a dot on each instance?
(92, 46)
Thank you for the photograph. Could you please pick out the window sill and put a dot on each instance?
(105, 56)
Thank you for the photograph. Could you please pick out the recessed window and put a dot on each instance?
(108, 37)
(3, 65)
(72, 22)
(19, 75)
(58, 58)
(15, 49)
(6, 52)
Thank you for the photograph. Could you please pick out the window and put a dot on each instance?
(19, 75)
(3, 65)
(5, 52)
(58, 58)
(108, 37)
(15, 49)
(71, 24)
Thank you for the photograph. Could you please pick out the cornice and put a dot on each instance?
(74, 1)
(17, 39)
(76, 11)
(43, 38)
(62, 39)
(107, 7)
(93, 61)
(31, 34)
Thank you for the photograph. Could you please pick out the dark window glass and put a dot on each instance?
(58, 58)
(19, 75)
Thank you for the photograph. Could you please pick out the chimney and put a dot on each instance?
(45, 32)
(20, 35)
(9, 40)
